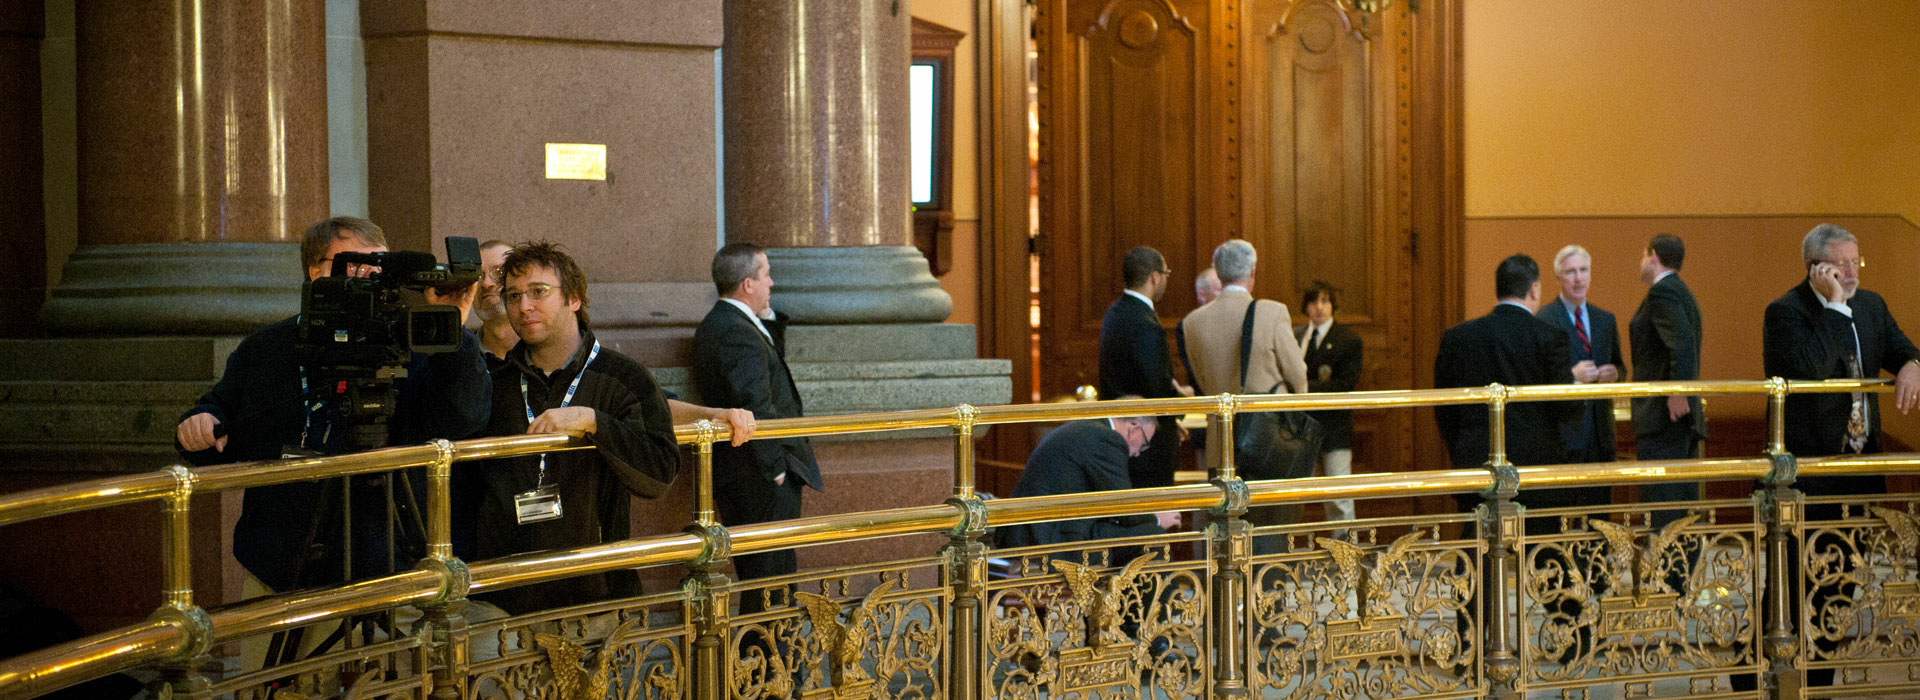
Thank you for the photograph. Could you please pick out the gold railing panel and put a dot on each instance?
(1409, 607)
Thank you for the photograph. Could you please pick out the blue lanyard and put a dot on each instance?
(527, 402)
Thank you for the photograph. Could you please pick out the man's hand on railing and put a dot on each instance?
(196, 433)
(1169, 520)
(1906, 386)
(739, 422)
(572, 419)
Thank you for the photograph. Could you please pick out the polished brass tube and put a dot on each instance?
(44, 671)
(1369, 486)
(73, 498)
(963, 479)
(176, 558)
(517, 446)
(703, 473)
(1073, 506)
(538, 567)
(1777, 416)
(1859, 465)
(440, 502)
(289, 610)
(1497, 425)
(816, 426)
(1220, 439)
(852, 527)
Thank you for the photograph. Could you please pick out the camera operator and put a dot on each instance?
(290, 535)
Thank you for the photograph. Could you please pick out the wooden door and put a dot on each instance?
(1294, 124)
(1127, 159)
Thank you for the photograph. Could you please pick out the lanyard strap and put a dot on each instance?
(527, 402)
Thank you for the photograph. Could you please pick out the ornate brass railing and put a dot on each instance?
(1339, 610)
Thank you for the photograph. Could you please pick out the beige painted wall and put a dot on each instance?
(1639, 107)
(963, 281)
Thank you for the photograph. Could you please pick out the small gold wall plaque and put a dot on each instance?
(576, 161)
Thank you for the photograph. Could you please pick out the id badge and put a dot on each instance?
(539, 505)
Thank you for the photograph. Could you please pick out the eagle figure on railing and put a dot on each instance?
(1906, 531)
(843, 642)
(1104, 611)
(1371, 591)
(1645, 565)
(570, 682)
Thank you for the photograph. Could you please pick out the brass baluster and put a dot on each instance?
(708, 592)
(966, 565)
(446, 627)
(1503, 526)
(1781, 504)
(180, 675)
(1231, 543)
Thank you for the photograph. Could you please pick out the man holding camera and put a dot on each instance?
(290, 535)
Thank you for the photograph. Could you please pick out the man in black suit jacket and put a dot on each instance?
(1508, 346)
(1829, 328)
(1332, 352)
(1134, 360)
(739, 361)
(1593, 344)
(1665, 333)
(1079, 457)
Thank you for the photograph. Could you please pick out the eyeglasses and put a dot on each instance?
(535, 292)
(1854, 263)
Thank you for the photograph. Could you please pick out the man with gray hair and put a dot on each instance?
(1593, 341)
(1206, 286)
(1211, 347)
(1079, 457)
(1827, 327)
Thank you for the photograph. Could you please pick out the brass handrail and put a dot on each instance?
(170, 637)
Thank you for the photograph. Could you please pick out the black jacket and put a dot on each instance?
(735, 366)
(259, 402)
(1077, 457)
(1334, 366)
(634, 455)
(1133, 352)
(1508, 346)
(1805, 340)
(1665, 333)
(1590, 436)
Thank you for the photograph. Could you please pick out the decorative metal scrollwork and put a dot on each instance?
(1088, 633)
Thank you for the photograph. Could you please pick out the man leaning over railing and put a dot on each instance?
(290, 535)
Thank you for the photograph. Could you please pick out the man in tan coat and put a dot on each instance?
(1212, 334)
(1210, 339)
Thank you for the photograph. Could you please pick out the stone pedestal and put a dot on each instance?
(175, 288)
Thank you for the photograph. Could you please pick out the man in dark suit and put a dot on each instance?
(1829, 328)
(1665, 333)
(1079, 457)
(1508, 346)
(739, 361)
(1593, 344)
(1134, 360)
(1333, 364)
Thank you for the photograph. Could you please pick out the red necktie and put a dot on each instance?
(1580, 331)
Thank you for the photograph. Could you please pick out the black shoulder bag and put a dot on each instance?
(1278, 445)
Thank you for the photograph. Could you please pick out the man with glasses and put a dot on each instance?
(1134, 360)
(1079, 457)
(561, 379)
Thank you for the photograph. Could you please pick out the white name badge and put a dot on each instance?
(539, 505)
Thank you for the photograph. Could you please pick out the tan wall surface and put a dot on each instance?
(962, 282)
(1644, 107)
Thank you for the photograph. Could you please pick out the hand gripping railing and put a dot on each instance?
(181, 630)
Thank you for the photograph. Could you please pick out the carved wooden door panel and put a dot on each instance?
(1126, 157)
(1329, 183)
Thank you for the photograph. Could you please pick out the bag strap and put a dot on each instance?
(1246, 346)
(1180, 339)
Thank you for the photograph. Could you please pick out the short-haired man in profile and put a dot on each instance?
(1665, 333)
(739, 361)
(1134, 359)
(560, 379)
(289, 535)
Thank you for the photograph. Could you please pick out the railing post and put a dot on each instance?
(1231, 543)
(445, 633)
(1782, 505)
(181, 676)
(708, 591)
(966, 572)
(1502, 526)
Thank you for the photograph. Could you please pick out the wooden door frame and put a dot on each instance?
(1000, 43)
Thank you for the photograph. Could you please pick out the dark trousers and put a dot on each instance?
(759, 501)
(1673, 441)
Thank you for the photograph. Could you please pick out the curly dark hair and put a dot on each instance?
(573, 282)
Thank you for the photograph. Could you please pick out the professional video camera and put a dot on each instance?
(357, 333)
